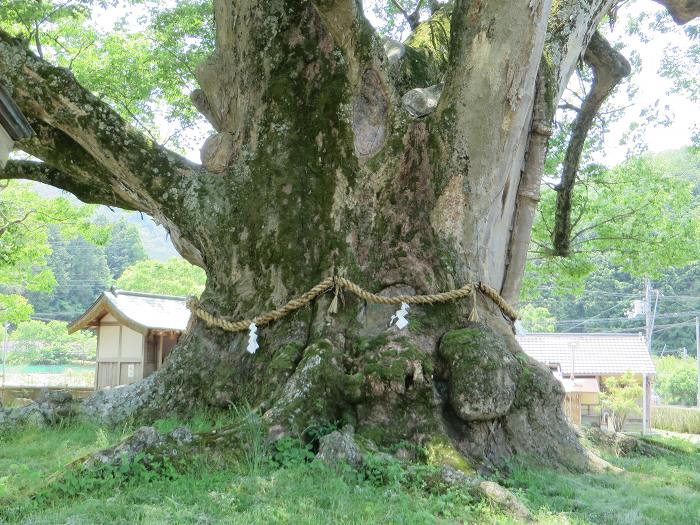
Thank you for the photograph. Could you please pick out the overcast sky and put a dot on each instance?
(685, 114)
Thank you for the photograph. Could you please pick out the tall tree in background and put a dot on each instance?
(640, 219)
(415, 171)
(82, 274)
(172, 277)
(26, 223)
(124, 248)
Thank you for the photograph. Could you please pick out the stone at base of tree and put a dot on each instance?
(109, 407)
(49, 408)
(146, 440)
(405, 455)
(113, 406)
(451, 476)
(339, 447)
(486, 490)
(183, 435)
(502, 498)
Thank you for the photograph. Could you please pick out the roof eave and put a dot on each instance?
(11, 118)
(100, 307)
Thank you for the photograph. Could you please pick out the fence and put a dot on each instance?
(676, 418)
(42, 352)
(17, 396)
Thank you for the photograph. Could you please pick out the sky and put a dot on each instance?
(685, 115)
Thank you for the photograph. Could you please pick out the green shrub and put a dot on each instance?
(676, 380)
(290, 451)
(103, 479)
(49, 343)
(621, 397)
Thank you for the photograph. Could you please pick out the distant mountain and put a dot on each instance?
(154, 237)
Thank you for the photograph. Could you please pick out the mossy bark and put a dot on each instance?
(316, 166)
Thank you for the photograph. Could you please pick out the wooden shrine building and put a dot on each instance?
(135, 333)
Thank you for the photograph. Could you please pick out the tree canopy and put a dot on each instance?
(146, 71)
(124, 248)
(641, 217)
(26, 225)
(173, 277)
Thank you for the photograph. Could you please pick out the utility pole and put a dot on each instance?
(647, 307)
(650, 312)
(697, 352)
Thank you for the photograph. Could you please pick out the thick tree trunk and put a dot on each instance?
(316, 167)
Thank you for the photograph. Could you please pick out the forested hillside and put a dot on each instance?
(154, 238)
(594, 290)
(58, 255)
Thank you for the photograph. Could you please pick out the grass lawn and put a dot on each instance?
(258, 486)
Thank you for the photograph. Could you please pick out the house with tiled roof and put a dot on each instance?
(583, 362)
(135, 333)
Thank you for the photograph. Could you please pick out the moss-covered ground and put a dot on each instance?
(251, 483)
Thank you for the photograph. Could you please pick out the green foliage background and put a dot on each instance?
(173, 277)
(676, 380)
(43, 343)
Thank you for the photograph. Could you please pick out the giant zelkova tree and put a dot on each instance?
(325, 159)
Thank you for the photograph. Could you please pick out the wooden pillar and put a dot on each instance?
(645, 403)
(160, 349)
(650, 422)
(97, 358)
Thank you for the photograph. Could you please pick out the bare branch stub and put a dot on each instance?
(609, 68)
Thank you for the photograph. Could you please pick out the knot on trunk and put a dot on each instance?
(394, 50)
(219, 152)
(483, 374)
(369, 115)
(420, 102)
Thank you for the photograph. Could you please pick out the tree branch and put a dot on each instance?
(609, 68)
(84, 126)
(412, 19)
(89, 149)
(10, 224)
(351, 31)
(42, 172)
(614, 218)
(494, 57)
(682, 11)
(529, 188)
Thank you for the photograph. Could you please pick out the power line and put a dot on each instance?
(593, 318)
(596, 319)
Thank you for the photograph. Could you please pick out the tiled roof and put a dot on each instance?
(584, 385)
(152, 311)
(592, 354)
(141, 311)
